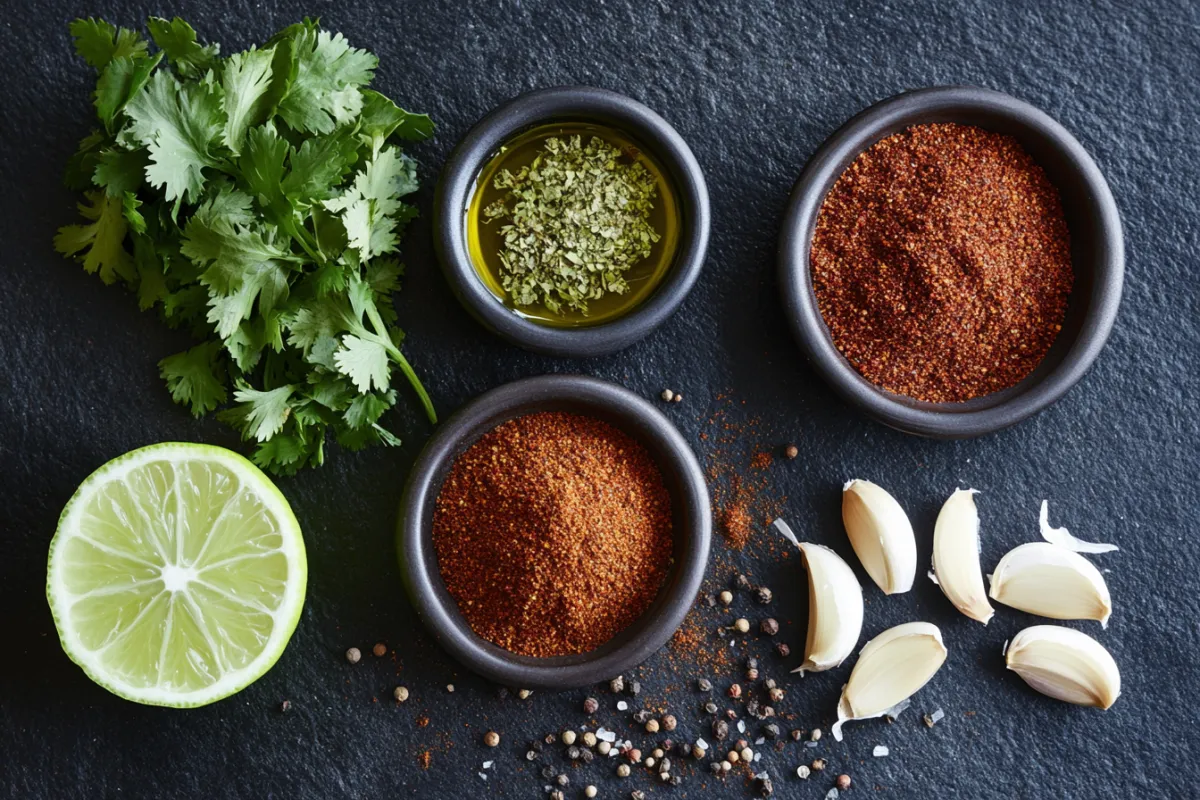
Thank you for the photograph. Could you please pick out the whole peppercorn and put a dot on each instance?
(735, 691)
(380, 650)
(843, 782)
(667, 744)
(771, 731)
(815, 735)
(285, 706)
(698, 752)
(590, 705)
(770, 683)
(491, 738)
(726, 766)
(568, 737)
(589, 739)
(752, 663)
(818, 764)
(634, 755)
(752, 708)
(720, 729)
(604, 748)
(732, 757)
(557, 795)
(649, 762)
(667, 395)
(622, 770)
(550, 738)
(573, 753)
(450, 688)
(669, 722)
(763, 595)
(524, 694)
(710, 707)
(747, 754)
(730, 714)
(741, 625)
(531, 755)
(652, 726)
(664, 765)
(768, 711)
(641, 716)
(726, 597)
(764, 786)
(802, 772)
(769, 626)
(657, 752)
(353, 655)
(797, 734)
(590, 791)
(548, 772)
(617, 685)
(710, 600)
(751, 674)
(791, 451)
(637, 794)
(741, 582)
(704, 685)
(740, 745)
(782, 649)
(563, 780)
(776, 695)
(400, 693)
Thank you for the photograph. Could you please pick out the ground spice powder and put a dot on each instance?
(553, 533)
(941, 263)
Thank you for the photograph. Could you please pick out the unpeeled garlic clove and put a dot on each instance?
(956, 556)
(1066, 665)
(1051, 581)
(891, 668)
(835, 606)
(881, 535)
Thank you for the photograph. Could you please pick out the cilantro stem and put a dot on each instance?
(381, 331)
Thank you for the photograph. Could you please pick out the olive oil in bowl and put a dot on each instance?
(656, 236)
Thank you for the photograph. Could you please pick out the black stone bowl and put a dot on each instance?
(692, 522)
(570, 104)
(1097, 256)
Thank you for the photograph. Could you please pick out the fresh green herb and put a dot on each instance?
(254, 199)
(579, 218)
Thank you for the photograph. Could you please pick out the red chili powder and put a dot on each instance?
(941, 263)
(553, 533)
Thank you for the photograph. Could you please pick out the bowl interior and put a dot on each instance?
(678, 205)
(685, 524)
(1081, 207)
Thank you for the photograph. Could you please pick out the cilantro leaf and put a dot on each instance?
(178, 40)
(179, 125)
(259, 414)
(103, 239)
(382, 118)
(245, 78)
(318, 166)
(99, 42)
(121, 79)
(368, 206)
(192, 378)
(120, 171)
(325, 92)
(364, 361)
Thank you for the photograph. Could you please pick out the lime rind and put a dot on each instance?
(233, 605)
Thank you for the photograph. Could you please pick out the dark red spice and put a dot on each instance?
(941, 263)
(553, 533)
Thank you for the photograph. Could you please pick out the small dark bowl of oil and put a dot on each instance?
(511, 137)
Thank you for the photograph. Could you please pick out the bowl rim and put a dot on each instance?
(945, 420)
(580, 103)
(418, 560)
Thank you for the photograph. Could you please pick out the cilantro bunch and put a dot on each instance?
(254, 199)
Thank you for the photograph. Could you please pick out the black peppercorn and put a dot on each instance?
(730, 714)
(587, 755)
(720, 729)
(710, 707)
(797, 735)
(769, 626)
(751, 674)
(715, 767)
(752, 708)
(782, 649)
(771, 731)
(751, 663)
(590, 705)
(764, 786)
(548, 772)
(741, 581)
(704, 685)
(763, 595)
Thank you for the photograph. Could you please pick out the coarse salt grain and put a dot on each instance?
(880, 751)
(622, 705)
(741, 726)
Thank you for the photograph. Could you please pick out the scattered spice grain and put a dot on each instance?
(491, 738)
(553, 533)
(380, 650)
(353, 655)
(941, 263)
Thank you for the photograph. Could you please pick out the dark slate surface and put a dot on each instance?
(754, 89)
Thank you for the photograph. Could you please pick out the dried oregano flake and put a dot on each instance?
(578, 218)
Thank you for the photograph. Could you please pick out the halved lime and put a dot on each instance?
(177, 575)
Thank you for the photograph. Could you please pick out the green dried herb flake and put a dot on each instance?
(578, 219)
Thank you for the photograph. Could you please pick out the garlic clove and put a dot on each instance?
(881, 535)
(956, 556)
(1051, 581)
(1063, 537)
(835, 606)
(891, 668)
(1066, 665)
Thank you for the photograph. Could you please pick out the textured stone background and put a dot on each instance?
(754, 88)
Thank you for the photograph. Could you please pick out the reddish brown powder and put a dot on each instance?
(553, 533)
(941, 263)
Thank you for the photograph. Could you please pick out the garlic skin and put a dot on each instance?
(956, 556)
(835, 609)
(1065, 664)
(881, 535)
(1064, 538)
(891, 668)
(1051, 581)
